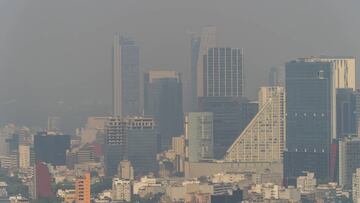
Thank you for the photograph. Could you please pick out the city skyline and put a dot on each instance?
(131, 101)
(77, 71)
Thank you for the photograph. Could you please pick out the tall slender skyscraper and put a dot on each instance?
(311, 116)
(199, 47)
(126, 77)
(163, 101)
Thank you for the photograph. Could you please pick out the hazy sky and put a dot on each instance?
(55, 56)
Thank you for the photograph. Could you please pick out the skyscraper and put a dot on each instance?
(142, 144)
(349, 160)
(199, 47)
(163, 102)
(223, 73)
(346, 112)
(311, 117)
(115, 144)
(344, 69)
(199, 136)
(222, 94)
(263, 140)
(51, 148)
(126, 77)
(207, 40)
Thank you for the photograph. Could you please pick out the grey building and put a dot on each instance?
(142, 144)
(115, 144)
(346, 112)
(349, 160)
(231, 116)
(199, 136)
(311, 117)
(126, 77)
(163, 102)
(223, 72)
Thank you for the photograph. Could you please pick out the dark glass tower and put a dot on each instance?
(163, 102)
(126, 77)
(311, 120)
(345, 112)
(115, 144)
(51, 148)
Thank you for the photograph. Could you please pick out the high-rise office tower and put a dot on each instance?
(311, 117)
(274, 76)
(142, 144)
(199, 47)
(199, 136)
(263, 140)
(51, 148)
(163, 102)
(344, 69)
(82, 189)
(222, 94)
(223, 72)
(346, 112)
(115, 144)
(349, 160)
(126, 77)
(231, 116)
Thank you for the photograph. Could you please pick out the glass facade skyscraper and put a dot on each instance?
(126, 77)
(311, 116)
(346, 112)
(163, 102)
(115, 144)
(142, 144)
(223, 72)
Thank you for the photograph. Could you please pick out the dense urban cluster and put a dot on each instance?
(299, 142)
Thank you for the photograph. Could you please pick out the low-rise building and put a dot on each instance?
(121, 190)
(307, 183)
